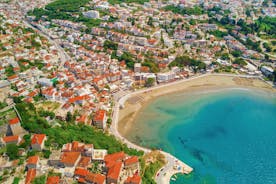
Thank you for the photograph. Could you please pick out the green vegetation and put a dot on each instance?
(27, 141)
(182, 61)
(12, 151)
(63, 9)
(9, 71)
(149, 82)
(16, 180)
(267, 47)
(39, 180)
(127, 1)
(68, 132)
(236, 53)
(3, 104)
(196, 10)
(128, 58)
(110, 45)
(66, 5)
(218, 34)
(225, 56)
(240, 62)
(151, 64)
(264, 26)
(149, 170)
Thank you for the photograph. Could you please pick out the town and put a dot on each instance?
(65, 64)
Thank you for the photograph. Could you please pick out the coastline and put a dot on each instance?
(128, 114)
(134, 102)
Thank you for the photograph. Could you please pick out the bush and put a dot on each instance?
(12, 151)
(46, 153)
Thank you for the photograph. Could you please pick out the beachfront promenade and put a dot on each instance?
(173, 165)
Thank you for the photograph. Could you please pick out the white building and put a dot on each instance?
(267, 71)
(165, 77)
(92, 14)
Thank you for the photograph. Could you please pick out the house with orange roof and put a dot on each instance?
(95, 178)
(32, 162)
(82, 119)
(110, 159)
(13, 78)
(75, 146)
(70, 159)
(132, 163)
(135, 179)
(30, 176)
(14, 121)
(15, 139)
(14, 127)
(113, 174)
(37, 142)
(80, 173)
(53, 180)
(84, 162)
(100, 119)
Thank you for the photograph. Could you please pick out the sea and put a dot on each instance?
(228, 136)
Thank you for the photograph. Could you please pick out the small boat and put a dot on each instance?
(173, 179)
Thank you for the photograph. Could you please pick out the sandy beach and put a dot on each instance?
(135, 103)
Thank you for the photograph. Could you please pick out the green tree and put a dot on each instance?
(110, 45)
(149, 82)
(69, 117)
(225, 56)
(150, 21)
(12, 151)
(40, 180)
(236, 53)
(240, 62)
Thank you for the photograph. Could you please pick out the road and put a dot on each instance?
(62, 53)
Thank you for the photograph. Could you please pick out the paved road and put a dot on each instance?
(63, 55)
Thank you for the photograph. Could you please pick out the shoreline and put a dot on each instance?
(134, 102)
(213, 82)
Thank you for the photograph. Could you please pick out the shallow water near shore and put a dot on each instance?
(227, 136)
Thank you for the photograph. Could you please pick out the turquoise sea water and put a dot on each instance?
(228, 137)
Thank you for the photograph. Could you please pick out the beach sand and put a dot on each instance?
(135, 103)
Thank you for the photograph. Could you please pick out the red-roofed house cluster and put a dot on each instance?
(88, 165)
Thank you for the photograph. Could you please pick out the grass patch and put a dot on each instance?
(48, 105)
(150, 164)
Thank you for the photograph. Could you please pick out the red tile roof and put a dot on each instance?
(53, 180)
(115, 170)
(99, 116)
(9, 139)
(14, 121)
(30, 176)
(131, 160)
(81, 172)
(38, 138)
(84, 162)
(135, 179)
(95, 178)
(69, 157)
(112, 158)
(81, 180)
(32, 160)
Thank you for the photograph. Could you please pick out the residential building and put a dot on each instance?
(32, 162)
(100, 119)
(70, 159)
(37, 142)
